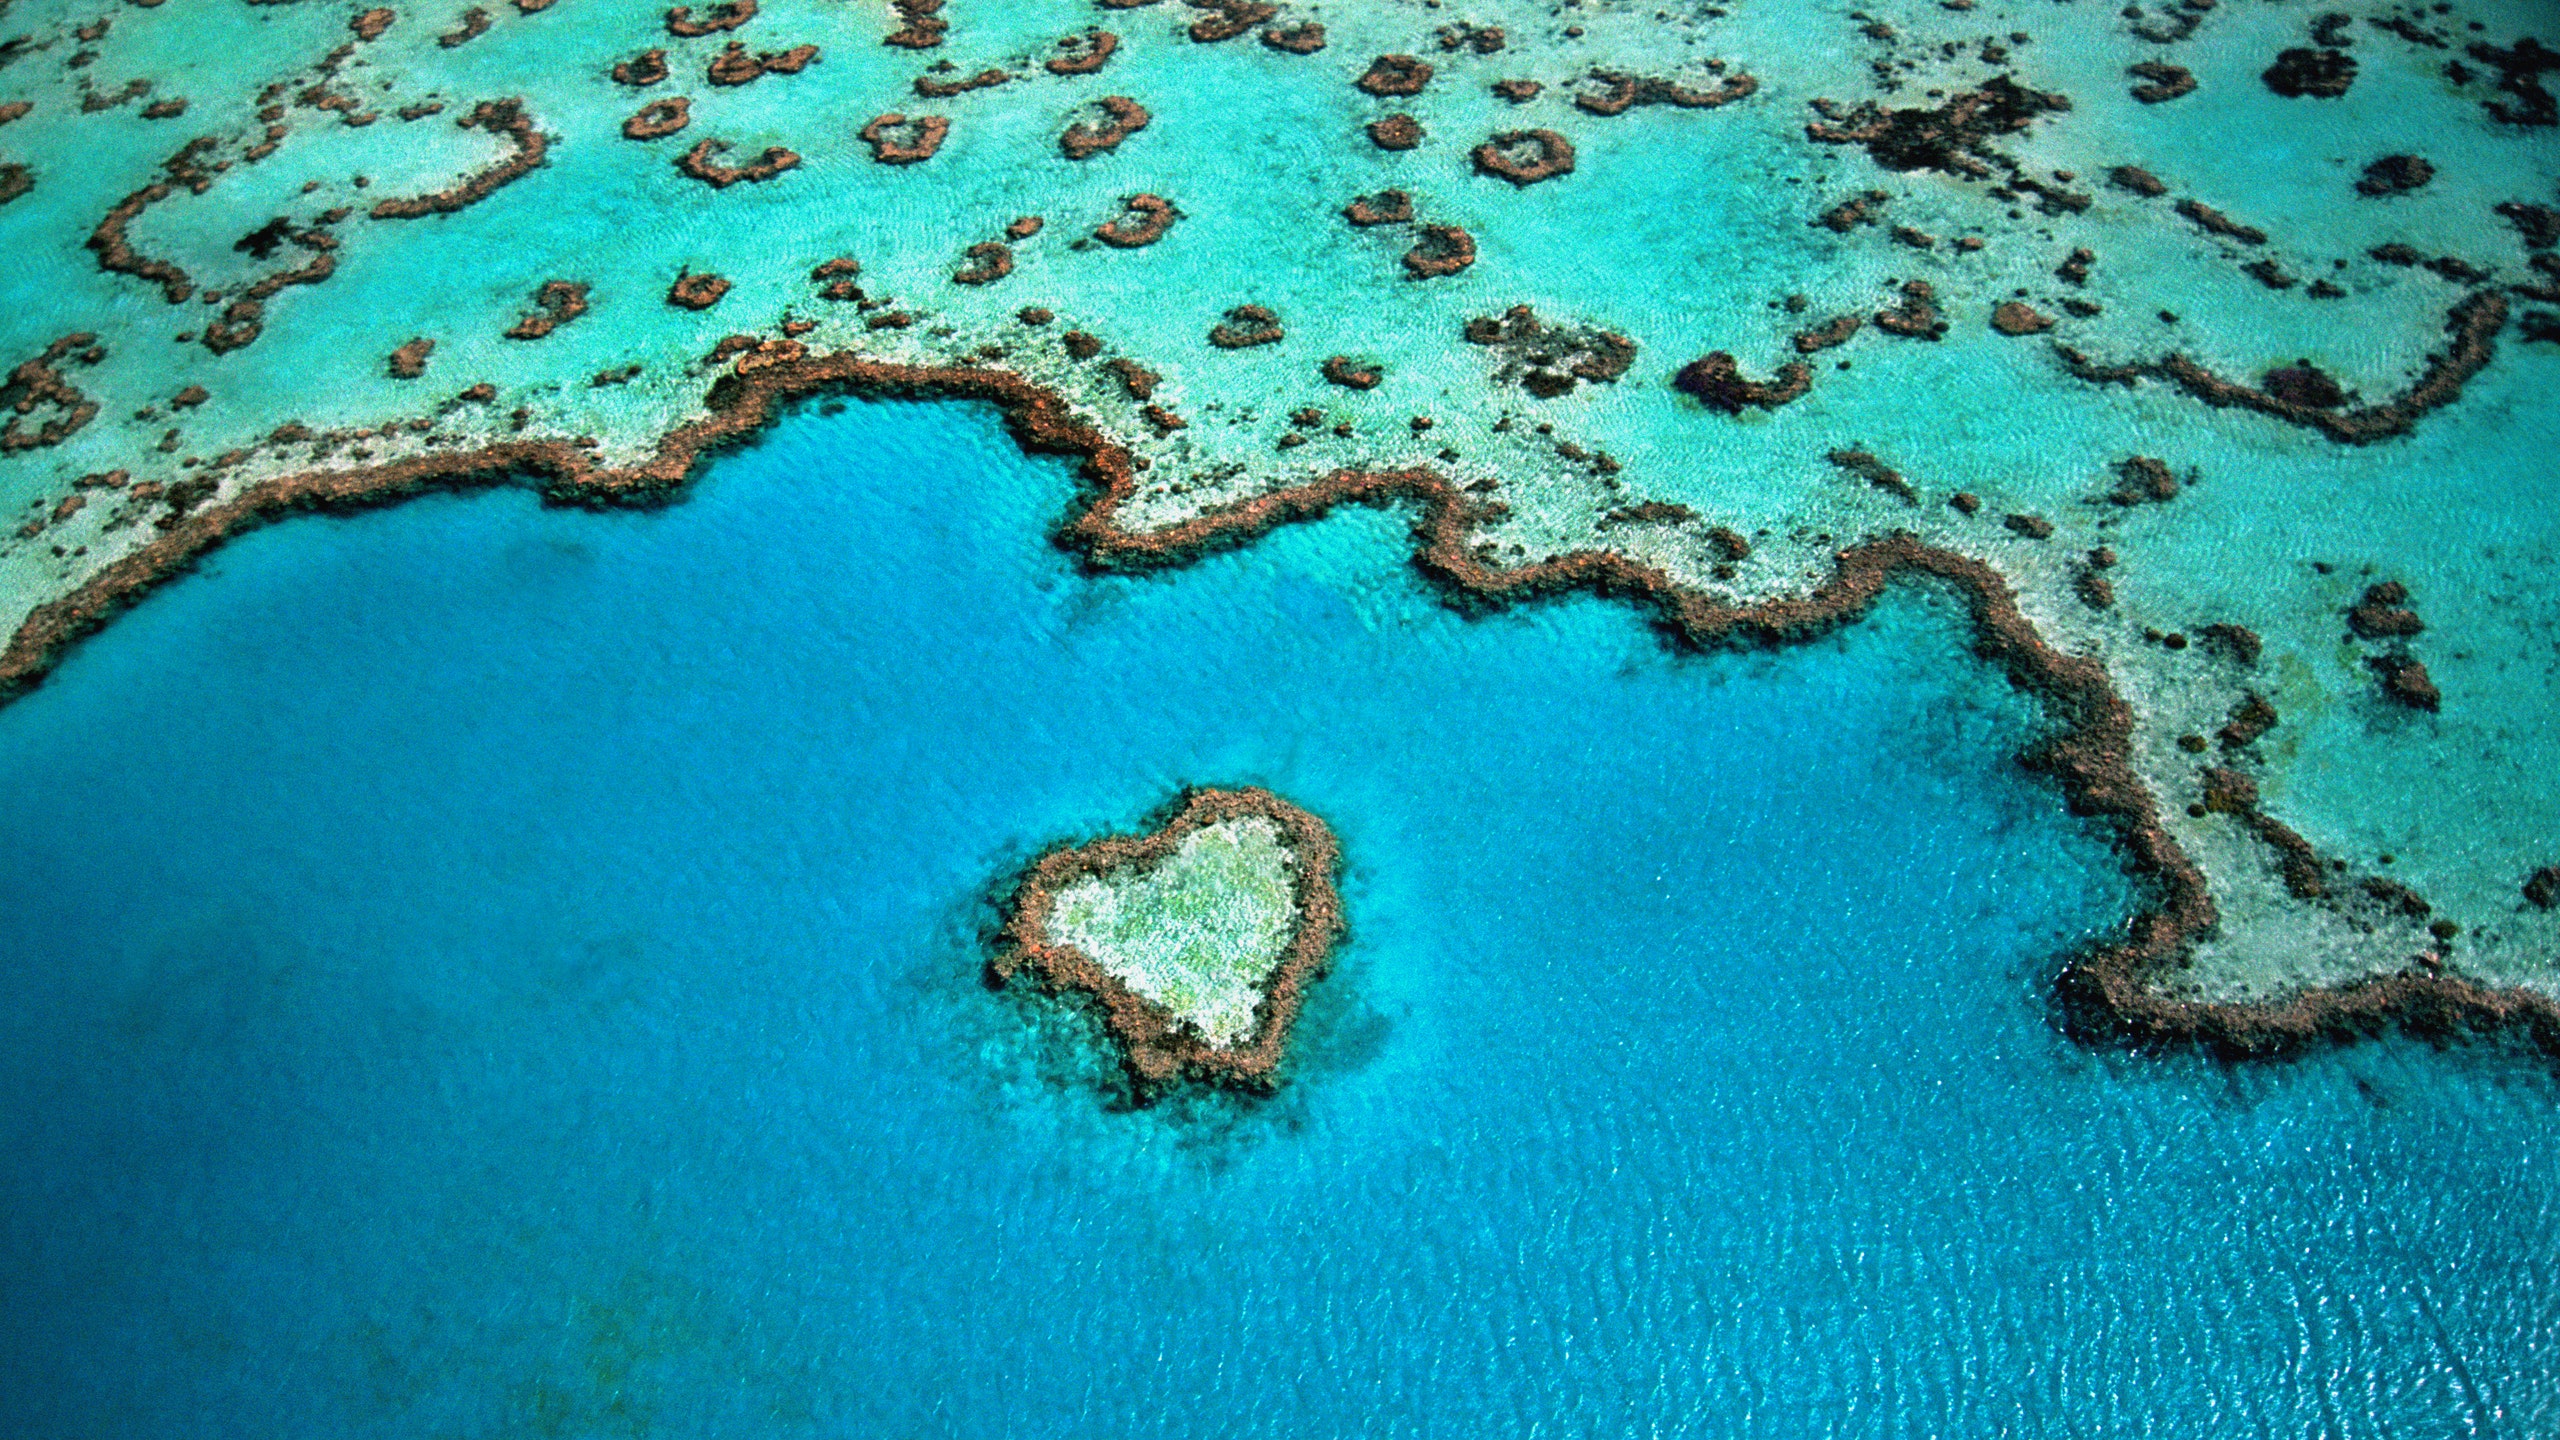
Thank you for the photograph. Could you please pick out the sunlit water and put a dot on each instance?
(477, 970)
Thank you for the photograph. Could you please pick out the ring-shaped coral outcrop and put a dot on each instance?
(897, 140)
(1525, 157)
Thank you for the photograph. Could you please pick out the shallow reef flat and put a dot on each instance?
(2204, 350)
(1196, 940)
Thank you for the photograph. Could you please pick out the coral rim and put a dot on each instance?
(2104, 995)
(1158, 1049)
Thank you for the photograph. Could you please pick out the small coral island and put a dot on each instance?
(1196, 939)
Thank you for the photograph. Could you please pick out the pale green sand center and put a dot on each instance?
(1199, 932)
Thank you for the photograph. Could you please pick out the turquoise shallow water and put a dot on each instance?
(484, 971)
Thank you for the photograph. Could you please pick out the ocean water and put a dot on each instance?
(477, 970)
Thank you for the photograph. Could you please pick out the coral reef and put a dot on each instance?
(2474, 324)
(1619, 92)
(1142, 221)
(697, 292)
(410, 360)
(728, 15)
(1156, 1048)
(1546, 359)
(2323, 74)
(40, 382)
(988, 263)
(658, 119)
(1246, 326)
(698, 164)
(1524, 157)
(1387, 207)
(1439, 250)
(556, 304)
(498, 117)
(1395, 132)
(1395, 75)
(1716, 379)
(897, 140)
(1082, 54)
(2161, 81)
(1123, 117)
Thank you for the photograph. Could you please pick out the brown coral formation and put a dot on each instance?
(697, 292)
(1140, 381)
(475, 23)
(1716, 379)
(658, 119)
(1304, 38)
(2251, 719)
(2542, 887)
(922, 26)
(734, 65)
(244, 318)
(2161, 81)
(2405, 680)
(1395, 75)
(1954, 137)
(498, 117)
(556, 304)
(1155, 1047)
(2109, 994)
(835, 279)
(40, 382)
(1395, 132)
(1387, 207)
(1351, 374)
(2303, 384)
(1482, 39)
(2383, 613)
(1246, 326)
(1082, 54)
(117, 255)
(1546, 359)
(933, 87)
(2395, 175)
(2141, 480)
(2520, 68)
(2137, 180)
(410, 360)
(1123, 117)
(988, 263)
(1917, 317)
(1142, 221)
(1524, 157)
(728, 15)
(372, 24)
(2210, 219)
(2324, 74)
(649, 67)
(698, 164)
(2474, 324)
(1866, 466)
(1855, 211)
(2016, 317)
(1618, 92)
(1834, 332)
(1228, 19)
(1439, 250)
(897, 140)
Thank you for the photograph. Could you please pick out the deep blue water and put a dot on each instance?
(482, 971)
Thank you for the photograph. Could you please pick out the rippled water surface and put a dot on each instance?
(483, 971)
